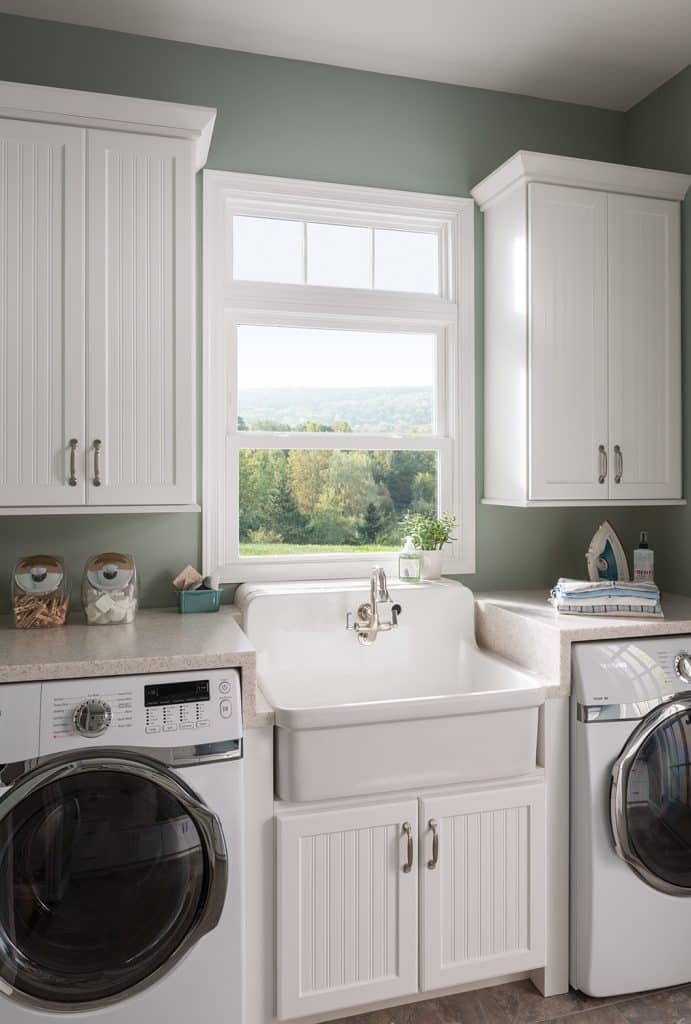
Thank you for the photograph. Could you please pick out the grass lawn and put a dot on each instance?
(255, 550)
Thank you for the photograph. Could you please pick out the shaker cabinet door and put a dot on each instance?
(567, 386)
(644, 348)
(41, 314)
(140, 321)
(347, 926)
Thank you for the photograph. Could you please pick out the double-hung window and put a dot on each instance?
(338, 375)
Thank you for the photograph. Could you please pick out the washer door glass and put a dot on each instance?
(103, 874)
(651, 813)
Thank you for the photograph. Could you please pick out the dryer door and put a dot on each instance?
(111, 868)
(650, 799)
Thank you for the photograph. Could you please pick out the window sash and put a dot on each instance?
(445, 357)
(390, 220)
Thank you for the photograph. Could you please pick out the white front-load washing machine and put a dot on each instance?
(121, 892)
(631, 815)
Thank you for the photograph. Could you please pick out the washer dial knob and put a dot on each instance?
(682, 666)
(92, 717)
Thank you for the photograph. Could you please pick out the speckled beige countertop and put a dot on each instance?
(520, 625)
(159, 640)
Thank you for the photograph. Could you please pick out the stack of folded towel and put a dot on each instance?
(606, 597)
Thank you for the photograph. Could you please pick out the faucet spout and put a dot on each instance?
(378, 587)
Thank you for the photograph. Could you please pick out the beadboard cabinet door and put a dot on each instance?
(141, 322)
(483, 901)
(347, 910)
(568, 384)
(41, 314)
(644, 347)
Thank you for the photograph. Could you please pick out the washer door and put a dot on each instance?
(650, 800)
(110, 870)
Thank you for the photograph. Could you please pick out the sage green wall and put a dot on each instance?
(658, 134)
(313, 121)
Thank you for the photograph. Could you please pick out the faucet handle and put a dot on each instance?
(395, 612)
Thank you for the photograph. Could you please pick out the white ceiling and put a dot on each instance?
(609, 53)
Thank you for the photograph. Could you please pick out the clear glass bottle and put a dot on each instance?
(40, 592)
(109, 589)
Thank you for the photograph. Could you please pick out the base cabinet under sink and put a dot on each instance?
(352, 878)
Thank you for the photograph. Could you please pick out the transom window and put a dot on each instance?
(338, 375)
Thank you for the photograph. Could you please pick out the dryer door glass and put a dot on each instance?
(655, 827)
(106, 872)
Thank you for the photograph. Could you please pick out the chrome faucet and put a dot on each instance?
(380, 615)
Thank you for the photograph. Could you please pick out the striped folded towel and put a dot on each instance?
(607, 597)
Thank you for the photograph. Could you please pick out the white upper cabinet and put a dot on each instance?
(140, 354)
(582, 333)
(567, 231)
(41, 313)
(97, 300)
(644, 347)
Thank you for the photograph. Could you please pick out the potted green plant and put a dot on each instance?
(430, 533)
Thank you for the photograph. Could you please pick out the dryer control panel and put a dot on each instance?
(162, 710)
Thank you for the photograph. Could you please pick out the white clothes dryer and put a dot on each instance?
(631, 815)
(121, 893)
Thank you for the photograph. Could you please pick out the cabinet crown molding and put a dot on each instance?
(23, 102)
(525, 167)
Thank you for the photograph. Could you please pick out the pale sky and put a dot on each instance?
(285, 357)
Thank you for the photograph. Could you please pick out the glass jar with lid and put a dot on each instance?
(109, 589)
(40, 592)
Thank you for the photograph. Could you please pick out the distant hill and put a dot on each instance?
(370, 410)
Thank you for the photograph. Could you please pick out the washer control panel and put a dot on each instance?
(162, 710)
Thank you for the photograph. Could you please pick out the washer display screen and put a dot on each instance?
(185, 692)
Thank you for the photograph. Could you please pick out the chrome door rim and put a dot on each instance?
(207, 823)
(621, 769)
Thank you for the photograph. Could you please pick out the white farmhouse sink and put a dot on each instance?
(423, 706)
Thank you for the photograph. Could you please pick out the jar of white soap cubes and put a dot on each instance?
(109, 589)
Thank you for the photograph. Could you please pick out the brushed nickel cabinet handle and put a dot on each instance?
(602, 456)
(72, 478)
(408, 831)
(434, 825)
(618, 464)
(97, 463)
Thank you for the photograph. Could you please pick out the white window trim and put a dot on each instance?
(452, 313)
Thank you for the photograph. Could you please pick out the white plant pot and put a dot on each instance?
(431, 564)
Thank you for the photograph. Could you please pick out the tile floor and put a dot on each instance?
(520, 1003)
